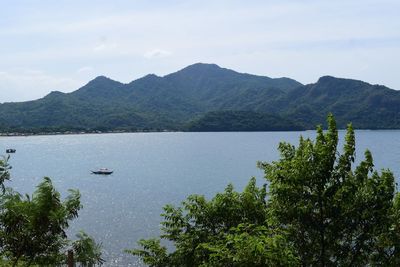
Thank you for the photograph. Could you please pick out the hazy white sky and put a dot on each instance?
(60, 45)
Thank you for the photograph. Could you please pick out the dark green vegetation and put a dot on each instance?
(317, 210)
(179, 100)
(32, 228)
(241, 121)
(87, 251)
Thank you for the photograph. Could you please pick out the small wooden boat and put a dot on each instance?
(103, 171)
(10, 150)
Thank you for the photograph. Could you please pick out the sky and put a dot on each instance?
(48, 45)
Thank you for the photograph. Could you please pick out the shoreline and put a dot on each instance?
(18, 134)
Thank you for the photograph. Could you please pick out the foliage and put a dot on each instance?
(241, 121)
(152, 253)
(33, 228)
(250, 245)
(4, 172)
(225, 231)
(335, 214)
(86, 251)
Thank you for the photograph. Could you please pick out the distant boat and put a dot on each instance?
(104, 171)
(10, 150)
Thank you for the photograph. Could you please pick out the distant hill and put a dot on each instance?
(202, 95)
(365, 105)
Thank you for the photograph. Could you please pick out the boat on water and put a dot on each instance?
(103, 171)
(10, 150)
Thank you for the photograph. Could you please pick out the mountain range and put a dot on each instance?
(206, 97)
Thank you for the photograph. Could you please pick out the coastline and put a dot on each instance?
(22, 134)
(17, 134)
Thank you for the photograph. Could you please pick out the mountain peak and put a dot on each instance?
(326, 78)
(99, 87)
(330, 79)
(102, 81)
(201, 65)
(150, 76)
(101, 78)
(202, 70)
(55, 94)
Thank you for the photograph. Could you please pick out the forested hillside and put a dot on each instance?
(180, 100)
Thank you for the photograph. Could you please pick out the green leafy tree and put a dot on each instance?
(86, 251)
(32, 229)
(336, 214)
(228, 230)
(250, 245)
(4, 172)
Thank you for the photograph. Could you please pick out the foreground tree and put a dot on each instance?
(320, 210)
(4, 172)
(335, 214)
(33, 228)
(87, 252)
(229, 230)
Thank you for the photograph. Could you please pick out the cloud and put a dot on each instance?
(85, 69)
(157, 53)
(104, 47)
(100, 47)
(27, 84)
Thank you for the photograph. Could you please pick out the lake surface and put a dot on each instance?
(153, 169)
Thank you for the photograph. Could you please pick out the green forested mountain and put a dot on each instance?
(204, 94)
(366, 105)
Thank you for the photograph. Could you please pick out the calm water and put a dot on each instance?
(153, 169)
